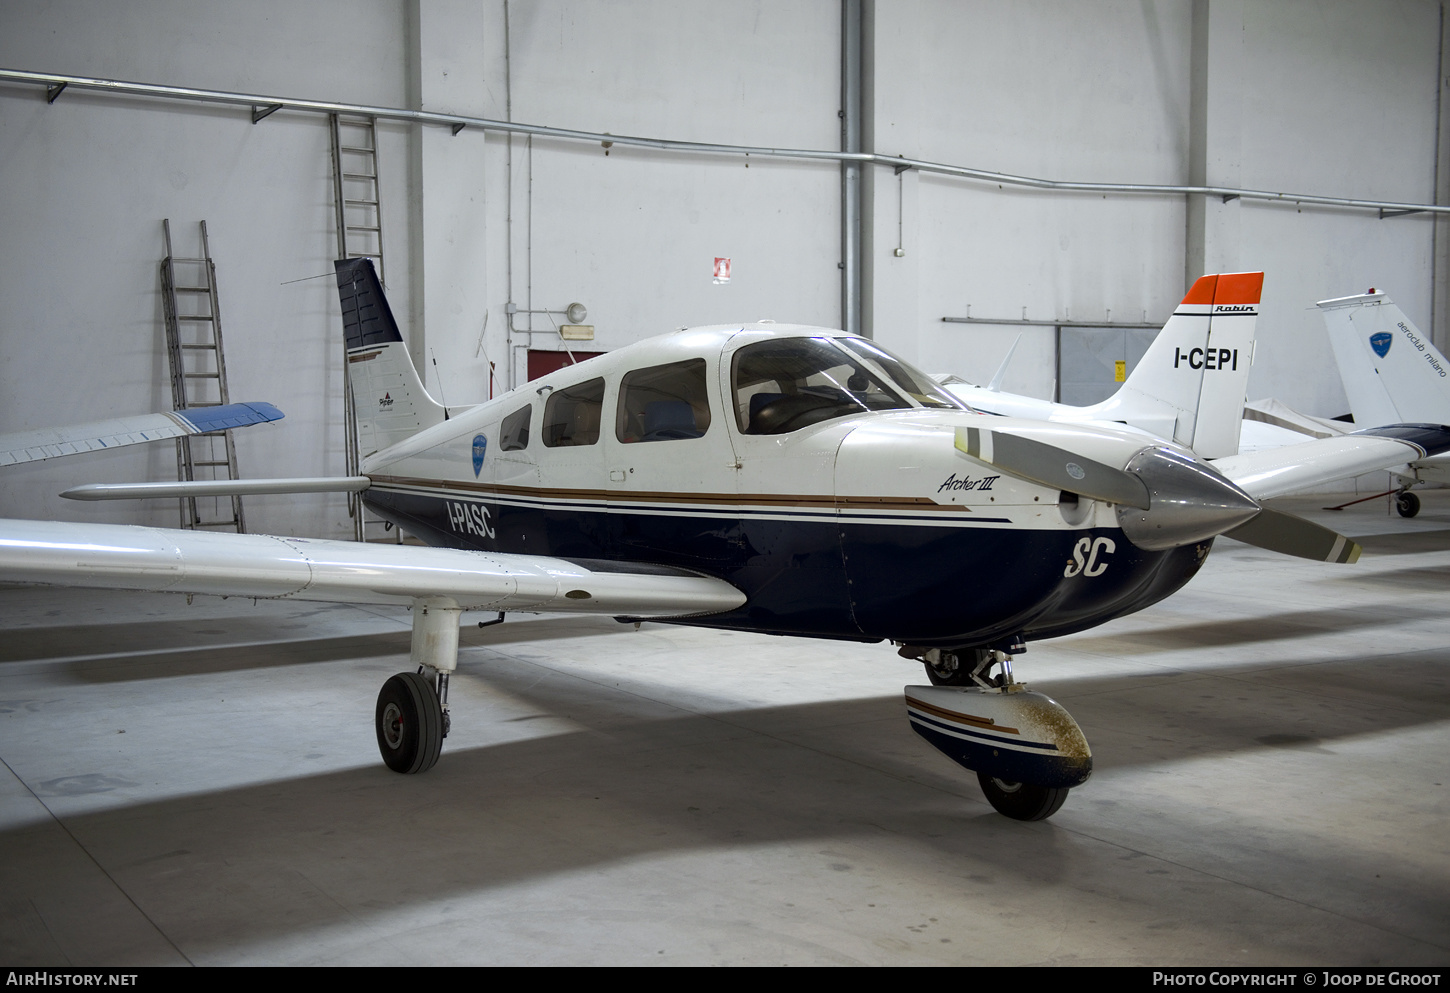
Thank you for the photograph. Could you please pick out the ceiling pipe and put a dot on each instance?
(54, 83)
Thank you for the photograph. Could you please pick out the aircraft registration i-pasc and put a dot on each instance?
(777, 479)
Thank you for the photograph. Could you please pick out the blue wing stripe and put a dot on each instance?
(231, 415)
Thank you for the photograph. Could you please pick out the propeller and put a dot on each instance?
(1291, 535)
(1053, 466)
(1163, 499)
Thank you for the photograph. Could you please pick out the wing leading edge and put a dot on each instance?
(1277, 471)
(115, 556)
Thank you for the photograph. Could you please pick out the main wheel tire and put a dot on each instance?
(1021, 801)
(1408, 504)
(409, 723)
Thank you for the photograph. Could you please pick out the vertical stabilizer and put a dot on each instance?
(1191, 383)
(389, 401)
(1391, 372)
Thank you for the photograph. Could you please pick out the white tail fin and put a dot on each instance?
(1391, 372)
(388, 399)
(1191, 384)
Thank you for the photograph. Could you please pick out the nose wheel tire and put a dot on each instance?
(409, 723)
(1021, 801)
(1408, 504)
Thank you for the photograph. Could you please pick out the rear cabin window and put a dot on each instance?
(571, 417)
(663, 403)
(514, 434)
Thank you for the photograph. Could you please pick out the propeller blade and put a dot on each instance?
(1281, 532)
(1052, 466)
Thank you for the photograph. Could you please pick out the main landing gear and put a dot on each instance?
(1026, 750)
(411, 722)
(1407, 504)
(411, 718)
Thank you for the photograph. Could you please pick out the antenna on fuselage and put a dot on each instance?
(439, 376)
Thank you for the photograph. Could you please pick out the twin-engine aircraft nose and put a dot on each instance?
(1188, 502)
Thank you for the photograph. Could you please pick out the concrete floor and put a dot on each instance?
(200, 784)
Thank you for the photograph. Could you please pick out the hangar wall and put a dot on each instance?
(1338, 99)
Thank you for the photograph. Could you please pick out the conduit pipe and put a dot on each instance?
(263, 106)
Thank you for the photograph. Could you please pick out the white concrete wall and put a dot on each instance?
(1335, 98)
(85, 183)
(1339, 99)
(633, 233)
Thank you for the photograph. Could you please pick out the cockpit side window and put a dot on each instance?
(663, 403)
(786, 384)
(571, 416)
(914, 383)
(514, 433)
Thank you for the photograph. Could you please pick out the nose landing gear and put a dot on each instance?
(1026, 750)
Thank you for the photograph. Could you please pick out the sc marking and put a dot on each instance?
(1086, 554)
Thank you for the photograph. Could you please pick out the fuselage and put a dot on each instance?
(804, 466)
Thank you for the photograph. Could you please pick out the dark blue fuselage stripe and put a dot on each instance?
(925, 582)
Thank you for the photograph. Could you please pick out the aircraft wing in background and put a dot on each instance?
(50, 443)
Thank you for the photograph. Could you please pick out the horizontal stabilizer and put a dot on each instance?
(218, 487)
(118, 556)
(50, 443)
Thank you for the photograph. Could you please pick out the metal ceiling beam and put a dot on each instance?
(252, 100)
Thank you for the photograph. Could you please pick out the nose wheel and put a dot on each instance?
(1021, 801)
(410, 723)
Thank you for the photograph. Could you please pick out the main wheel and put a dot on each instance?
(1021, 801)
(409, 723)
(1408, 504)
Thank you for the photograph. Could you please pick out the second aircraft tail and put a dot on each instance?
(1392, 373)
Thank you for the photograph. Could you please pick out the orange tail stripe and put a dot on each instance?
(1239, 287)
(1202, 291)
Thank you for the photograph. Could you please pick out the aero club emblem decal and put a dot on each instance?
(480, 446)
(1381, 343)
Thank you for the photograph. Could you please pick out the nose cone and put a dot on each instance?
(1188, 502)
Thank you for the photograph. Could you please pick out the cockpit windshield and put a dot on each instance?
(785, 384)
(916, 384)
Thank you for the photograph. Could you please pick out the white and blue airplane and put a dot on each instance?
(1392, 374)
(778, 479)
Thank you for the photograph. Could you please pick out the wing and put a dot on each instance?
(117, 556)
(1277, 471)
(50, 443)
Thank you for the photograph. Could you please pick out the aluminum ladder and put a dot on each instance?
(358, 212)
(198, 379)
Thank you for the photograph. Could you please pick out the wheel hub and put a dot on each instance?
(393, 725)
